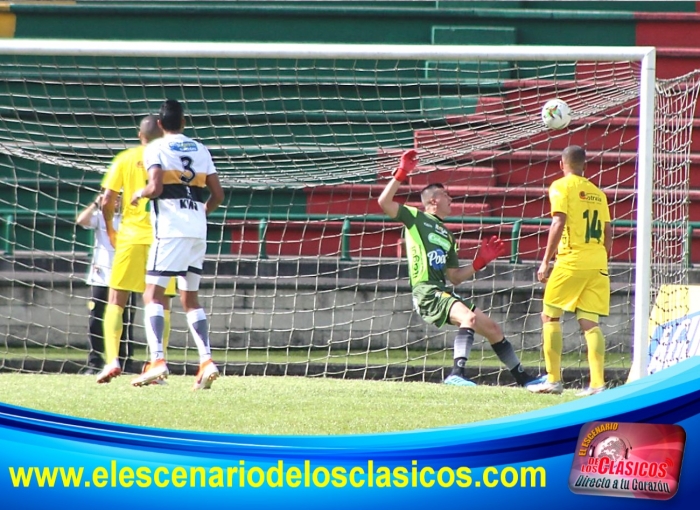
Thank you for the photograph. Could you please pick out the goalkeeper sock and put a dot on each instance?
(112, 330)
(552, 340)
(462, 348)
(596, 356)
(155, 324)
(199, 328)
(505, 352)
(166, 330)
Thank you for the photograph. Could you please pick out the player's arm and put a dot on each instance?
(608, 238)
(489, 250)
(216, 194)
(556, 229)
(84, 218)
(386, 201)
(154, 187)
(109, 204)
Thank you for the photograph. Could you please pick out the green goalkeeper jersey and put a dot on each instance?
(431, 247)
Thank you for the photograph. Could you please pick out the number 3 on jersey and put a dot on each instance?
(594, 229)
(188, 173)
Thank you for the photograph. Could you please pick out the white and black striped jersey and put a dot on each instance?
(179, 210)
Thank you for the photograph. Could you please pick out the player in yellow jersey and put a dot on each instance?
(126, 174)
(581, 237)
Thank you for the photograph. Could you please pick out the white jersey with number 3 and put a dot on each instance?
(179, 210)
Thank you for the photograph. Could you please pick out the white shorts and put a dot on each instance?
(175, 256)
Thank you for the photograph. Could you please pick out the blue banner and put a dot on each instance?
(54, 461)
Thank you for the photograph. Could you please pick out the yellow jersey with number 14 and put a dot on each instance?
(582, 244)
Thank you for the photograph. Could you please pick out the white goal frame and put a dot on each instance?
(644, 54)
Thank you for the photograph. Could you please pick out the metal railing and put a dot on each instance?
(10, 218)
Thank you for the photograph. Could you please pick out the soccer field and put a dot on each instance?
(272, 405)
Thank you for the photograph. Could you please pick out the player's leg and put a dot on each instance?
(98, 301)
(489, 329)
(166, 258)
(561, 294)
(126, 345)
(126, 277)
(552, 341)
(594, 301)
(154, 322)
(435, 307)
(462, 316)
(113, 327)
(196, 317)
(170, 291)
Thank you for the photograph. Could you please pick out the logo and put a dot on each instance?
(437, 259)
(441, 230)
(186, 146)
(628, 460)
(589, 197)
(440, 241)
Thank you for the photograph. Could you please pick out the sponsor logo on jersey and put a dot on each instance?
(588, 197)
(437, 259)
(183, 146)
(442, 230)
(440, 241)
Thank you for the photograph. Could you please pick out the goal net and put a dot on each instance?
(304, 275)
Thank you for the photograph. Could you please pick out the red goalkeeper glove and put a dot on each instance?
(489, 250)
(409, 161)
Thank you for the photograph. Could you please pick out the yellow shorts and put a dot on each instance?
(129, 269)
(576, 290)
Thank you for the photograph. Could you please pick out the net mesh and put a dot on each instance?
(303, 274)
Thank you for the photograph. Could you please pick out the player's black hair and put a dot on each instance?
(171, 115)
(427, 193)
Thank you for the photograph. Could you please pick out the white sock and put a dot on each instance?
(155, 324)
(197, 320)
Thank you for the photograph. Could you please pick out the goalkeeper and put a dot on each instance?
(126, 174)
(432, 258)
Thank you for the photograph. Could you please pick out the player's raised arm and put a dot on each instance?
(409, 160)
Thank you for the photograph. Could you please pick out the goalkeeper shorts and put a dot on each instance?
(587, 290)
(434, 303)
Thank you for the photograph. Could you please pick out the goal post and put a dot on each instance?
(303, 273)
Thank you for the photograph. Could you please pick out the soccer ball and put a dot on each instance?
(556, 114)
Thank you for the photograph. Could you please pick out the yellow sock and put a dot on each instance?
(166, 330)
(596, 356)
(553, 342)
(112, 330)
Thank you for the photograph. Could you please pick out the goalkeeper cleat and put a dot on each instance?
(206, 375)
(535, 381)
(554, 388)
(108, 373)
(587, 392)
(154, 371)
(458, 380)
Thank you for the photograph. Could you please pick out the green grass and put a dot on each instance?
(298, 355)
(272, 405)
